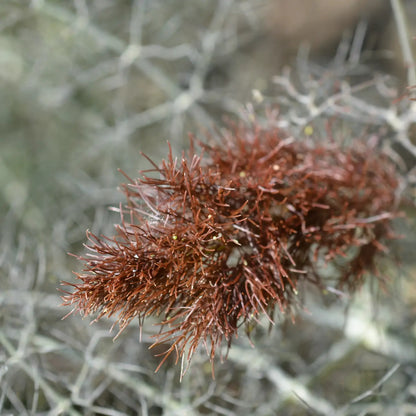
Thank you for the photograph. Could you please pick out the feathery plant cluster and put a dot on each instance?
(214, 239)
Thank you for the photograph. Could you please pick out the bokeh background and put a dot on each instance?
(86, 86)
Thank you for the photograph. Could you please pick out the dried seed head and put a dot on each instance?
(213, 242)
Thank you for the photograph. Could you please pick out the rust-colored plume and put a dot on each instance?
(210, 241)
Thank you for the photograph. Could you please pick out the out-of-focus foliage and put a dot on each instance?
(86, 86)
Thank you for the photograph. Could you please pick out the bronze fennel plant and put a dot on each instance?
(210, 241)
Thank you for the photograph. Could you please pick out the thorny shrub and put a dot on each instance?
(213, 240)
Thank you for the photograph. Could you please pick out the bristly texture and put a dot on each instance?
(212, 241)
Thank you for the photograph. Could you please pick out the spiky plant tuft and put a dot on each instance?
(213, 240)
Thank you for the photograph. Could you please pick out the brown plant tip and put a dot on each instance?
(213, 240)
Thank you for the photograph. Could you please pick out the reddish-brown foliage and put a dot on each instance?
(212, 241)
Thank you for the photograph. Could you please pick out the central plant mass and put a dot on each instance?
(213, 240)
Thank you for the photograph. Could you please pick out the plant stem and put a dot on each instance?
(403, 33)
